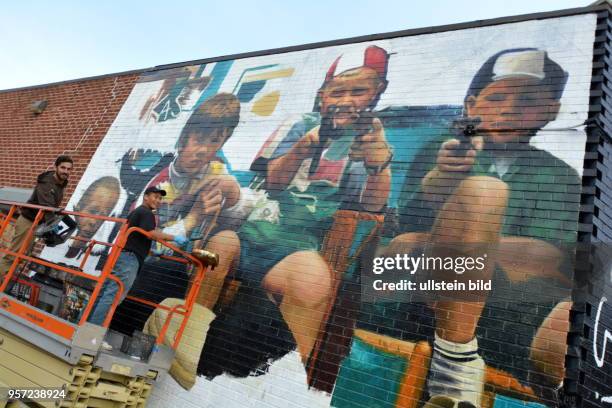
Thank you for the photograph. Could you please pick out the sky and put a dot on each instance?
(45, 42)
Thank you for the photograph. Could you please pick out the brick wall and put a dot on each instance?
(299, 241)
(76, 119)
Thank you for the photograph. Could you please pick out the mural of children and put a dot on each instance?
(487, 195)
(336, 157)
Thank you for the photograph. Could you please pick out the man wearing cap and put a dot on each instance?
(498, 190)
(336, 157)
(134, 252)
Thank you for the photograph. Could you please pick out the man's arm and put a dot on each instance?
(135, 220)
(47, 195)
(159, 235)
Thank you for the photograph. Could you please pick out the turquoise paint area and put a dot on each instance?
(407, 130)
(507, 402)
(406, 143)
(368, 378)
(218, 74)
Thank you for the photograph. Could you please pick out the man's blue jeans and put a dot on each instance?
(126, 270)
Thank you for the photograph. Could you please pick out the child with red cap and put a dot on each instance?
(336, 157)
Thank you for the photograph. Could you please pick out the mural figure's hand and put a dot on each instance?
(208, 202)
(229, 188)
(452, 158)
(371, 147)
(307, 145)
(208, 198)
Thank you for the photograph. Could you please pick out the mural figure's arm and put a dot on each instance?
(376, 154)
(230, 189)
(281, 170)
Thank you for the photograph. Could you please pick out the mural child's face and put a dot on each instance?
(510, 110)
(200, 149)
(100, 202)
(348, 94)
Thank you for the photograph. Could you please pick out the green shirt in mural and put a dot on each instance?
(544, 194)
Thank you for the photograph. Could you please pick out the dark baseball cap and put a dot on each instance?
(150, 190)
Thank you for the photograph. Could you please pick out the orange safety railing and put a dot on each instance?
(115, 249)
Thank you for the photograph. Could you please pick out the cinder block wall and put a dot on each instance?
(296, 322)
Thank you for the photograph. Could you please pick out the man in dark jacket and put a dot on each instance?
(49, 192)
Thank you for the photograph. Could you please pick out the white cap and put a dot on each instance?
(528, 63)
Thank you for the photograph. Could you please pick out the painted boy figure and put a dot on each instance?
(197, 181)
(334, 159)
(501, 191)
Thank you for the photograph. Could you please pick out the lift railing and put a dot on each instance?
(200, 264)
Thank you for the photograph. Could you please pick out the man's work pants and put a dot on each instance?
(21, 228)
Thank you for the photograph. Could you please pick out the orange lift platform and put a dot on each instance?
(41, 349)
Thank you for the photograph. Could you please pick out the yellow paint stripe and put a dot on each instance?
(281, 73)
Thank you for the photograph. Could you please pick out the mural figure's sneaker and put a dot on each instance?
(440, 401)
(456, 374)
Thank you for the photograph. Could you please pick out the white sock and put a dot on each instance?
(456, 371)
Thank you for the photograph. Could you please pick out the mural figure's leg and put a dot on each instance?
(549, 345)
(184, 367)
(472, 215)
(522, 258)
(227, 245)
(405, 243)
(303, 281)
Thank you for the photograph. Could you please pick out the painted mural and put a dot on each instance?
(300, 168)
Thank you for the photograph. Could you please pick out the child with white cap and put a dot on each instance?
(494, 191)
